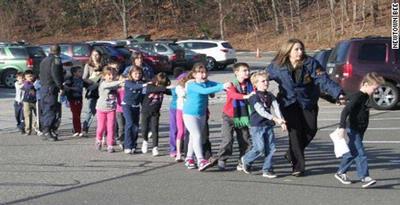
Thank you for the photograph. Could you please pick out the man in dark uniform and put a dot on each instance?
(51, 79)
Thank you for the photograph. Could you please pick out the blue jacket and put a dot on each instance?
(133, 93)
(148, 72)
(306, 92)
(197, 97)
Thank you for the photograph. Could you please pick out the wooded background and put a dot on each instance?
(247, 24)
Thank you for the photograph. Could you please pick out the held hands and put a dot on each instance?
(281, 122)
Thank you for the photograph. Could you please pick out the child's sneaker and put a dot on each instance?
(98, 145)
(367, 182)
(128, 151)
(245, 168)
(110, 149)
(189, 163)
(239, 167)
(204, 164)
(343, 178)
(75, 134)
(221, 165)
(80, 134)
(155, 151)
(178, 158)
(269, 174)
(144, 147)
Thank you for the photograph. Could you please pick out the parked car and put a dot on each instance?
(176, 54)
(18, 58)
(193, 57)
(322, 56)
(78, 51)
(114, 52)
(351, 59)
(159, 63)
(219, 53)
(68, 62)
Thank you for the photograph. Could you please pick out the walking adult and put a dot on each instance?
(92, 75)
(300, 78)
(52, 79)
(137, 60)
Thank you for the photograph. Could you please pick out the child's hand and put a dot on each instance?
(284, 127)
(227, 85)
(170, 87)
(249, 95)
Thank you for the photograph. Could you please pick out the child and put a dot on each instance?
(177, 136)
(357, 112)
(18, 106)
(194, 112)
(120, 126)
(151, 106)
(105, 108)
(131, 107)
(29, 102)
(74, 88)
(235, 116)
(173, 129)
(262, 125)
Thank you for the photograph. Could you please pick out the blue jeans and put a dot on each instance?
(356, 153)
(263, 140)
(131, 115)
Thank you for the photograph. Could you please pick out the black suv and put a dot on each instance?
(351, 59)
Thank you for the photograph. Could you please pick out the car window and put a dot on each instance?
(46, 49)
(205, 45)
(19, 52)
(339, 54)
(2, 52)
(64, 49)
(373, 52)
(174, 46)
(147, 47)
(161, 48)
(227, 45)
(36, 52)
(187, 45)
(80, 50)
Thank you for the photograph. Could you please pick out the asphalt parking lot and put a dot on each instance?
(71, 171)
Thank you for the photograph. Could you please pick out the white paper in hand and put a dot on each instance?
(339, 142)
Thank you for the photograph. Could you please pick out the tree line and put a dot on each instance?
(190, 18)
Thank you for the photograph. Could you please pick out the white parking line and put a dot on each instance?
(371, 119)
(369, 128)
(372, 112)
(381, 142)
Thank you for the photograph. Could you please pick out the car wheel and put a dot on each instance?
(211, 63)
(9, 77)
(385, 97)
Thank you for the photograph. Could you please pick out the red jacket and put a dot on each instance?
(231, 94)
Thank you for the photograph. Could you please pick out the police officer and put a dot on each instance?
(51, 78)
(300, 79)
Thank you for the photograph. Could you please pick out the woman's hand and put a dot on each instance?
(249, 95)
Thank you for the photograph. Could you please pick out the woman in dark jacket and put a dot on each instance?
(300, 78)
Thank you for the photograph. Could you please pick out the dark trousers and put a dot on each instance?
(51, 109)
(242, 136)
(302, 127)
(76, 109)
(90, 113)
(150, 122)
(19, 115)
(131, 115)
(119, 128)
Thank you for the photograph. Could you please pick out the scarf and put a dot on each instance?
(241, 109)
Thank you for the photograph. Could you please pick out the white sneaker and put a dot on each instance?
(127, 151)
(80, 134)
(155, 151)
(145, 145)
(149, 135)
(178, 158)
(76, 134)
(367, 182)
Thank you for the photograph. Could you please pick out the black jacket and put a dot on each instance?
(51, 72)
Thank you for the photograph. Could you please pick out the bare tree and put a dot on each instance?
(275, 12)
(123, 7)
